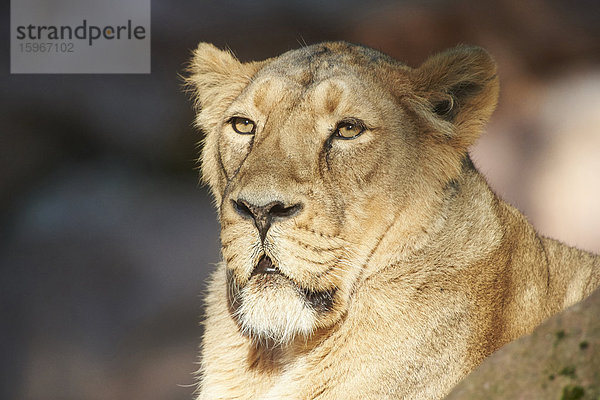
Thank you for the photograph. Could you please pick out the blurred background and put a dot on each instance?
(106, 237)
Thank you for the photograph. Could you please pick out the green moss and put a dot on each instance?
(572, 393)
(559, 336)
(568, 371)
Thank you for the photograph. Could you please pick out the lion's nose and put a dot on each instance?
(264, 215)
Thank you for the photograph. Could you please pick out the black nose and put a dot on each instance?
(263, 216)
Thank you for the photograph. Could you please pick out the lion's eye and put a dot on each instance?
(348, 129)
(243, 126)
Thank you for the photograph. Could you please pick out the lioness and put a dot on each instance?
(364, 257)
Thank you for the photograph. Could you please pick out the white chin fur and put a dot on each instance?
(276, 314)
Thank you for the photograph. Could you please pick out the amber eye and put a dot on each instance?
(242, 125)
(349, 129)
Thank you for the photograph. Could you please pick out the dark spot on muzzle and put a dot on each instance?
(320, 301)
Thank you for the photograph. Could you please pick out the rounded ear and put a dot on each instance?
(460, 87)
(214, 75)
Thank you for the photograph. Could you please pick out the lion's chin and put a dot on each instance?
(271, 309)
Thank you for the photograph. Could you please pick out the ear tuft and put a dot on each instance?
(461, 87)
(444, 108)
(209, 69)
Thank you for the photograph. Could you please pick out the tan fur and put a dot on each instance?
(426, 269)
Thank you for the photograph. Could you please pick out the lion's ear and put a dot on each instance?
(461, 88)
(215, 75)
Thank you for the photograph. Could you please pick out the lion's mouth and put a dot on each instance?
(265, 266)
(320, 300)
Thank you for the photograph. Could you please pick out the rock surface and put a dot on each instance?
(559, 360)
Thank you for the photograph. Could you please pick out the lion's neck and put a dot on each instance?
(444, 223)
(476, 238)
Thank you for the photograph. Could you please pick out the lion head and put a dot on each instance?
(326, 163)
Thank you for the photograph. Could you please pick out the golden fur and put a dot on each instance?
(376, 267)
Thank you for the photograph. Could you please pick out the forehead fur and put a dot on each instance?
(311, 64)
(337, 95)
(334, 78)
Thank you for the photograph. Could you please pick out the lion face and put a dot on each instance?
(313, 157)
(300, 161)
